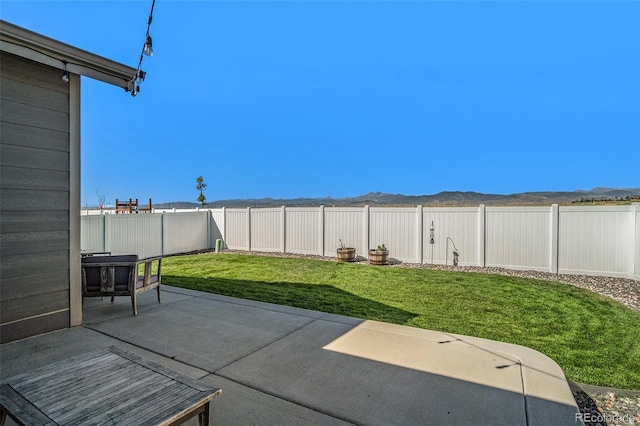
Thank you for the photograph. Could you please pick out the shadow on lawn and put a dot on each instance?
(318, 297)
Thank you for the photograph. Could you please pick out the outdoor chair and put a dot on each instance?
(118, 276)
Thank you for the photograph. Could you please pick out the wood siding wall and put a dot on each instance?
(34, 199)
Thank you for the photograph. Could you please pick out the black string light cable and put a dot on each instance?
(147, 49)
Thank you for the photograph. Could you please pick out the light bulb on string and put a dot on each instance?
(148, 46)
(65, 74)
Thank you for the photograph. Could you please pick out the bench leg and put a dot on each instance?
(134, 304)
(159, 294)
(204, 416)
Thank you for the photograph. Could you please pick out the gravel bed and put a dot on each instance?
(602, 407)
(599, 406)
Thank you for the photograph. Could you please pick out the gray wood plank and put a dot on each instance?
(33, 326)
(27, 71)
(64, 366)
(24, 307)
(14, 402)
(30, 178)
(30, 158)
(33, 242)
(152, 402)
(27, 93)
(33, 220)
(26, 135)
(33, 264)
(13, 199)
(29, 115)
(196, 384)
(17, 287)
(109, 409)
(105, 387)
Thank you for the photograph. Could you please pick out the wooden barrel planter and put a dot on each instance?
(378, 257)
(347, 254)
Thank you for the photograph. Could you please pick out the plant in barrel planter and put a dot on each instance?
(346, 254)
(379, 255)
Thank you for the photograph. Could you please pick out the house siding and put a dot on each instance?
(34, 199)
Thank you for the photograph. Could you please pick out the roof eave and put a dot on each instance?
(28, 44)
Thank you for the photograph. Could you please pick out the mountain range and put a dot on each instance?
(446, 198)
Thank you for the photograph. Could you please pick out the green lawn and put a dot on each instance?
(594, 339)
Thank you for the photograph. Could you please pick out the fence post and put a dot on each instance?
(555, 221)
(635, 238)
(482, 235)
(366, 229)
(283, 223)
(224, 225)
(106, 239)
(419, 225)
(162, 235)
(104, 232)
(248, 228)
(321, 231)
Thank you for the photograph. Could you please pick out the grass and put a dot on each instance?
(594, 339)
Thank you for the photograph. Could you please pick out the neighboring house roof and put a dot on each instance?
(28, 44)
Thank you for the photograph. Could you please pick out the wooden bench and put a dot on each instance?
(132, 206)
(118, 276)
(108, 386)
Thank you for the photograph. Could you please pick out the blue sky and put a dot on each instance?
(288, 99)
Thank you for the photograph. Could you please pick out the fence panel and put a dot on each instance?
(216, 226)
(303, 230)
(518, 237)
(266, 229)
(396, 228)
(596, 240)
(134, 233)
(92, 238)
(236, 229)
(346, 224)
(636, 266)
(184, 232)
(452, 228)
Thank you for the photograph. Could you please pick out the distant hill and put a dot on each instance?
(446, 198)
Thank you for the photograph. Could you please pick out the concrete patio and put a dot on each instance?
(282, 365)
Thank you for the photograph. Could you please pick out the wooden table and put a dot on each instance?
(108, 386)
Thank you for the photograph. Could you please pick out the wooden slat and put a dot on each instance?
(18, 287)
(61, 367)
(34, 137)
(13, 199)
(33, 220)
(27, 93)
(14, 243)
(33, 326)
(24, 307)
(103, 404)
(29, 115)
(34, 73)
(30, 178)
(111, 387)
(33, 158)
(13, 402)
(130, 406)
(32, 264)
(196, 384)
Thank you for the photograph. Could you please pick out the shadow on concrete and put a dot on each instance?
(318, 297)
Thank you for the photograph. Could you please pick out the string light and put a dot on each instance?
(147, 49)
(65, 74)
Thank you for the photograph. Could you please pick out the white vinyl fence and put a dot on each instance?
(598, 240)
